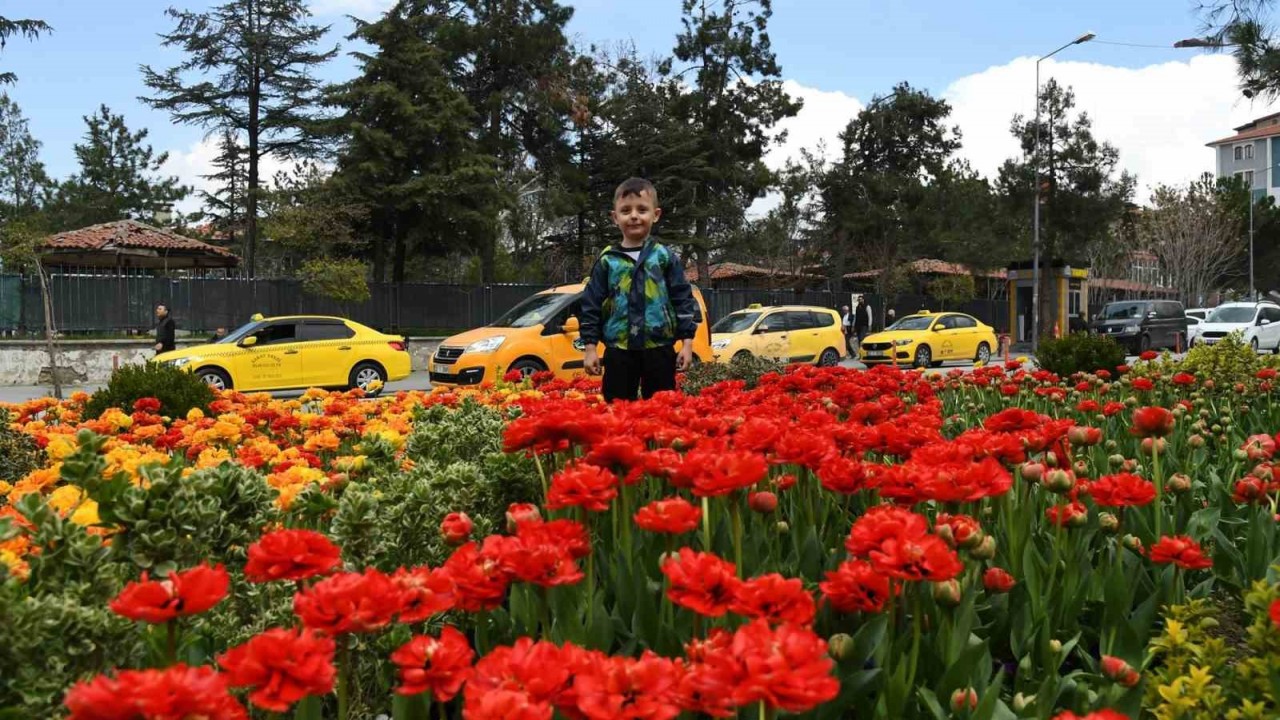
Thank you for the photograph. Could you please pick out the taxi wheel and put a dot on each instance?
(527, 367)
(924, 357)
(365, 374)
(742, 355)
(829, 358)
(984, 354)
(214, 378)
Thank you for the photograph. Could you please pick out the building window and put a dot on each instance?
(1239, 152)
(1248, 151)
(1073, 303)
(1248, 178)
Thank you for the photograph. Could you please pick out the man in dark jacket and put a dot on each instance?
(861, 321)
(165, 330)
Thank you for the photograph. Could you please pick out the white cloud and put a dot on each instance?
(820, 120)
(363, 9)
(197, 160)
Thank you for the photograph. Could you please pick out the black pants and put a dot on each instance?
(644, 372)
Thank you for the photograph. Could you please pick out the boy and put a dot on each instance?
(638, 303)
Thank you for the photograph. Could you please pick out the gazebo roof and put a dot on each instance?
(129, 243)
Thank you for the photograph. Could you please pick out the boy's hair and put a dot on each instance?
(635, 186)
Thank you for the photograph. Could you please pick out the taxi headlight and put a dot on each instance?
(183, 362)
(903, 341)
(486, 345)
(720, 344)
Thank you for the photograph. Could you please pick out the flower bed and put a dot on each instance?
(831, 542)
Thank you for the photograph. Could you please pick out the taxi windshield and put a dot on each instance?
(235, 335)
(737, 322)
(535, 310)
(913, 322)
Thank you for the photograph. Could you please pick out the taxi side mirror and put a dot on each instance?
(249, 341)
(572, 325)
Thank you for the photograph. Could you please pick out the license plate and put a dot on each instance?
(875, 353)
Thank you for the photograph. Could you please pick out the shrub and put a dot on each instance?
(19, 454)
(1079, 353)
(1229, 361)
(342, 280)
(747, 368)
(177, 390)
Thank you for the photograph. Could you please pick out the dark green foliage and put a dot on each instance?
(177, 390)
(1079, 353)
(29, 29)
(19, 453)
(118, 178)
(747, 368)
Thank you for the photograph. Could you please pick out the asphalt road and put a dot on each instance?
(417, 381)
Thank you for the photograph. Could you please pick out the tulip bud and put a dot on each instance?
(1111, 446)
(1215, 429)
(667, 557)
(1239, 455)
(456, 528)
(1059, 481)
(1178, 484)
(1196, 441)
(964, 700)
(947, 593)
(1133, 543)
(985, 549)
(1153, 445)
(1131, 401)
(1080, 468)
(840, 647)
(763, 502)
(1055, 646)
(1108, 522)
(998, 580)
(783, 527)
(520, 513)
(1115, 461)
(1021, 702)
(1032, 471)
(1209, 623)
(1210, 384)
(1051, 459)
(1262, 472)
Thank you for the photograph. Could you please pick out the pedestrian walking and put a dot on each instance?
(846, 326)
(861, 322)
(166, 330)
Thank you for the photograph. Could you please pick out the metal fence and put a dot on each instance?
(86, 304)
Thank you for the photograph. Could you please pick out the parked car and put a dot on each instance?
(928, 339)
(297, 352)
(1257, 323)
(791, 333)
(1141, 325)
(1199, 313)
(541, 333)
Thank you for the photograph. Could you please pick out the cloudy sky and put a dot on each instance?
(1158, 105)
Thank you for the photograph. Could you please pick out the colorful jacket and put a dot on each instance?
(638, 305)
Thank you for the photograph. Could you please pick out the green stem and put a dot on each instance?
(171, 641)
(917, 611)
(735, 516)
(344, 673)
(706, 525)
(444, 713)
(1159, 481)
(544, 609)
(542, 475)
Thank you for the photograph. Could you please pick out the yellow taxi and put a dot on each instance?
(929, 339)
(536, 335)
(297, 352)
(790, 333)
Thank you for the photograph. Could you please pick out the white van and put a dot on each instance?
(1257, 323)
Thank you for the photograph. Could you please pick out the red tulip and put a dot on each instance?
(282, 666)
(181, 594)
(998, 580)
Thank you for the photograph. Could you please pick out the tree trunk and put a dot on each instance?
(50, 345)
(397, 263)
(251, 204)
(380, 250)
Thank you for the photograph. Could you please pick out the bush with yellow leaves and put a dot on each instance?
(1197, 671)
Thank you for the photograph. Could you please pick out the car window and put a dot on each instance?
(276, 333)
(913, 322)
(799, 320)
(325, 331)
(1234, 314)
(1123, 311)
(1272, 314)
(1192, 320)
(1170, 310)
(822, 319)
(775, 322)
(736, 322)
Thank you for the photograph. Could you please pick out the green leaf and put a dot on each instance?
(309, 708)
(414, 707)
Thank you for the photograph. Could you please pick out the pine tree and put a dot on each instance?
(117, 177)
(407, 148)
(248, 70)
(736, 102)
(224, 206)
(23, 180)
(29, 29)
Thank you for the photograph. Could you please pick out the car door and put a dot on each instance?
(770, 338)
(274, 361)
(1271, 331)
(943, 340)
(803, 336)
(967, 336)
(564, 353)
(327, 352)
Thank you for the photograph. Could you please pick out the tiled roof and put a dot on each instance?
(928, 266)
(730, 270)
(130, 234)
(1251, 134)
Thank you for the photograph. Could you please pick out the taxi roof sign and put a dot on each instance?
(754, 306)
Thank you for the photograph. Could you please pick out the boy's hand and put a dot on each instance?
(685, 359)
(591, 360)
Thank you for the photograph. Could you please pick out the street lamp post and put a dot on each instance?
(1035, 262)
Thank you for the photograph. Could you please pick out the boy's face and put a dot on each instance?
(635, 215)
